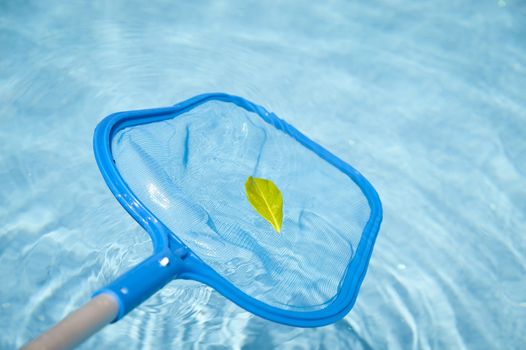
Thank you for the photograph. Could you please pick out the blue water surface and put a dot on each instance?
(425, 98)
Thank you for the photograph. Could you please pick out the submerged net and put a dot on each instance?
(190, 172)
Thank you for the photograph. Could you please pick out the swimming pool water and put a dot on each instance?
(426, 99)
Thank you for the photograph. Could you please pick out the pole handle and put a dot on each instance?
(78, 325)
(112, 302)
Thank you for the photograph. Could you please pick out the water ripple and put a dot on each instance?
(425, 98)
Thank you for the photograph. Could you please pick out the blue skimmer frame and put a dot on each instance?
(173, 259)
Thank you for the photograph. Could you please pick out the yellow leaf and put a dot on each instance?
(266, 198)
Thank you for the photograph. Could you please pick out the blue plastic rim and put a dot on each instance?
(172, 259)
